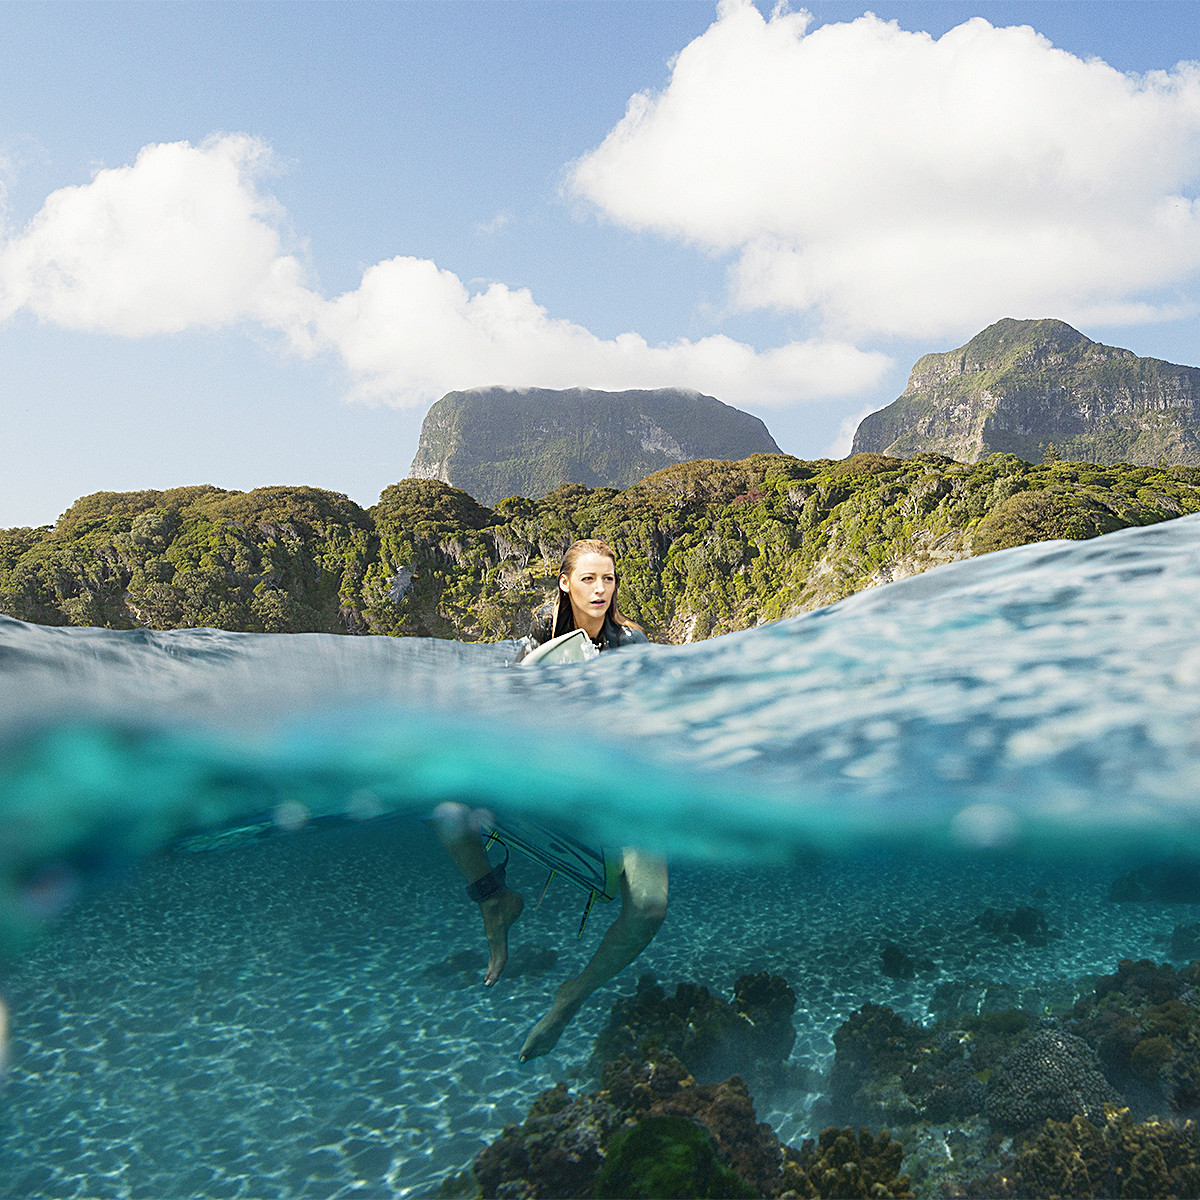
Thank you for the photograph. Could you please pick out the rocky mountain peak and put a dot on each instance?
(1022, 386)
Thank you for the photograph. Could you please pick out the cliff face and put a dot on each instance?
(1020, 387)
(498, 442)
(704, 547)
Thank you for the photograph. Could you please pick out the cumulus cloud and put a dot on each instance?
(181, 239)
(187, 238)
(843, 441)
(411, 331)
(894, 183)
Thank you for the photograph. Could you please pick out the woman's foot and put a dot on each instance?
(499, 912)
(543, 1037)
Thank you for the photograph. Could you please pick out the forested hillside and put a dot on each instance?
(705, 547)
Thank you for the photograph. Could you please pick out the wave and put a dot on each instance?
(1039, 699)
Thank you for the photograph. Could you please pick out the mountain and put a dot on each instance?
(705, 547)
(497, 442)
(1041, 389)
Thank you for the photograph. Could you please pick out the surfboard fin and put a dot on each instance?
(586, 913)
(545, 889)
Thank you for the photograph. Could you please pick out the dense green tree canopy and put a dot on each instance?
(704, 547)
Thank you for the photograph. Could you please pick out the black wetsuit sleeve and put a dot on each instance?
(621, 635)
(540, 631)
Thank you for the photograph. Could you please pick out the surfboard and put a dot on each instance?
(573, 647)
(596, 870)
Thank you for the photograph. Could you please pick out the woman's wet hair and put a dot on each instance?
(562, 616)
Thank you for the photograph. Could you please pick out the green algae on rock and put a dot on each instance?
(667, 1157)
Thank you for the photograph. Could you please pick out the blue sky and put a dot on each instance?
(249, 244)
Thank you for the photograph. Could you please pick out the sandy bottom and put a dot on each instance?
(302, 1017)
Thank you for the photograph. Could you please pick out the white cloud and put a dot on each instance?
(180, 239)
(411, 331)
(843, 442)
(893, 183)
(185, 238)
(500, 221)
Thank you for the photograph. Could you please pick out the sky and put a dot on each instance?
(250, 244)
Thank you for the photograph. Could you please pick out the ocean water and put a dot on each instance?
(237, 964)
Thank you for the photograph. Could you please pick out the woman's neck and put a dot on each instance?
(589, 623)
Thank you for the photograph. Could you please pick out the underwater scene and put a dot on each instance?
(933, 925)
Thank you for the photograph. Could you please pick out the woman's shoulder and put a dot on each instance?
(541, 626)
(626, 635)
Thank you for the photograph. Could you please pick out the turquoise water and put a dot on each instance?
(295, 1009)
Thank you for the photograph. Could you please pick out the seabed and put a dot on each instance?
(302, 1017)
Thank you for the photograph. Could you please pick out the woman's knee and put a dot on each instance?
(644, 886)
(452, 819)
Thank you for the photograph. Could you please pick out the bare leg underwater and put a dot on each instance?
(459, 829)
(643, 907)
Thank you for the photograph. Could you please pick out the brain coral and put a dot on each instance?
(1053, 1075)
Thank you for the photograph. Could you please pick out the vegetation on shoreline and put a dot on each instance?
(705, 547)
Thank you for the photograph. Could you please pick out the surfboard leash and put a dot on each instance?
(586, 913)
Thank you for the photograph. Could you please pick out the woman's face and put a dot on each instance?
(591, 586)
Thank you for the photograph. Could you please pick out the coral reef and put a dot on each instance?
(1053, 1075)
(1112, 1158)
(751, 1035)
(660, 1086)
(842, 1163)
(652, 1131)
(890, 1071)
(667, 1156)
(1144, 1021)
(556, 1152)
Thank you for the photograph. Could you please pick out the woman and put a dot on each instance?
(586, 599)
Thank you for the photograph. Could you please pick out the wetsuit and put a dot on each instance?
(611, 634)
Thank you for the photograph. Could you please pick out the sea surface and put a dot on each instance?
(237, 964)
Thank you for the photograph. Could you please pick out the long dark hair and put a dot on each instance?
(562, 618)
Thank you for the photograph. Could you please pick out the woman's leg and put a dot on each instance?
(459, 829)
(643, 907)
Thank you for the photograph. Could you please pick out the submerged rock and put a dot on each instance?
(652, 1131)
(1110, 1157)
(1026, 923)
(751, 1035)
(1185, 942)
(899, 964)
(1053, 1075)
(1171, 881)
(1144, 1021)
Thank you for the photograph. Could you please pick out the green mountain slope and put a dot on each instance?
(497, 442)
(705, 547)
(1038, 388)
